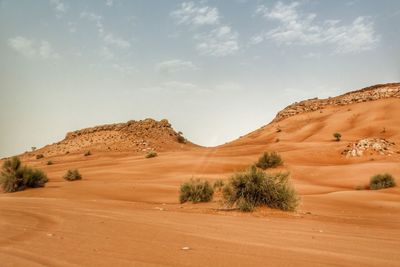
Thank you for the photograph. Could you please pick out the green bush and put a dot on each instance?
(16, 177)
(180, 138)
(72, 175)
(269, 160)
(254, 188)
(151, 154)
(39, 156)
(381, 181)
(337, 136)
(218, 184)
(196, 191)
(88, 153)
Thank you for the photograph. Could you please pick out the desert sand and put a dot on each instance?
(125, 211)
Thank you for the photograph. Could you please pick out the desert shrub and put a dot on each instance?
(180, 138)
(16, 177)
(381, 181)
(87, 153)
(196, 190)
(254, 188)
(49, 162)
(72, 175)
(218, 184)
(151, 154)
(337, 136)
(39, 156)
(269, 160)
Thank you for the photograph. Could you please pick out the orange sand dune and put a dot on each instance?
(125, 211)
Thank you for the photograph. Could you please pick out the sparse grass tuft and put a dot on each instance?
(381, 181)
(269, 160)
(361, 187)
(254, 188)
(151, 154)
(196, 190)
(39, 156)
(72, 175)
(16, 177)
(49, 162)
(87, 153)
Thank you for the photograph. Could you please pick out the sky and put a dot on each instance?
(215, 69)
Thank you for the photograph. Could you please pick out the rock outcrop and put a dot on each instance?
(369, 146)
(133, 136)
(371, 93)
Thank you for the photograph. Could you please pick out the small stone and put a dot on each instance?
(185, 248)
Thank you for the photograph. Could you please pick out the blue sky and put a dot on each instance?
(215, 69)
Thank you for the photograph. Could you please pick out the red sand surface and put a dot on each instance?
(125, 211)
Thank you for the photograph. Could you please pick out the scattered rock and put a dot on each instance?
(369, 146)
(371, 93)
(185, 248)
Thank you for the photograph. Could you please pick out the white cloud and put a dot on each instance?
(72, 27)
(229, 87)
(116, 41)
(97, 19)
(174, 65)
(219, 42)
(32, 49)
(190, 14)
(177, 87)
(58, 6)
(109, 3)
(106, 53)
(299, 28)
(108, 38)
(124, 69)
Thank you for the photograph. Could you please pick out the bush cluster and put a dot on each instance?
(269, 160)
(381, 181)
(151, 154)
(17, 177)
(196, 190)
(254, 188)
(72, 175)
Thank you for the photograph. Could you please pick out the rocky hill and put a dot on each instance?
(371, 93)
(133, 136)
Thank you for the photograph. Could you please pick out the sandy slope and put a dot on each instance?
(125, 212)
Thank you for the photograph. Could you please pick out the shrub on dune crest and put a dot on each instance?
(16, 177)
(72, 175)
(381, 181)
(196, 190)
(269, 160)
(254, 188)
